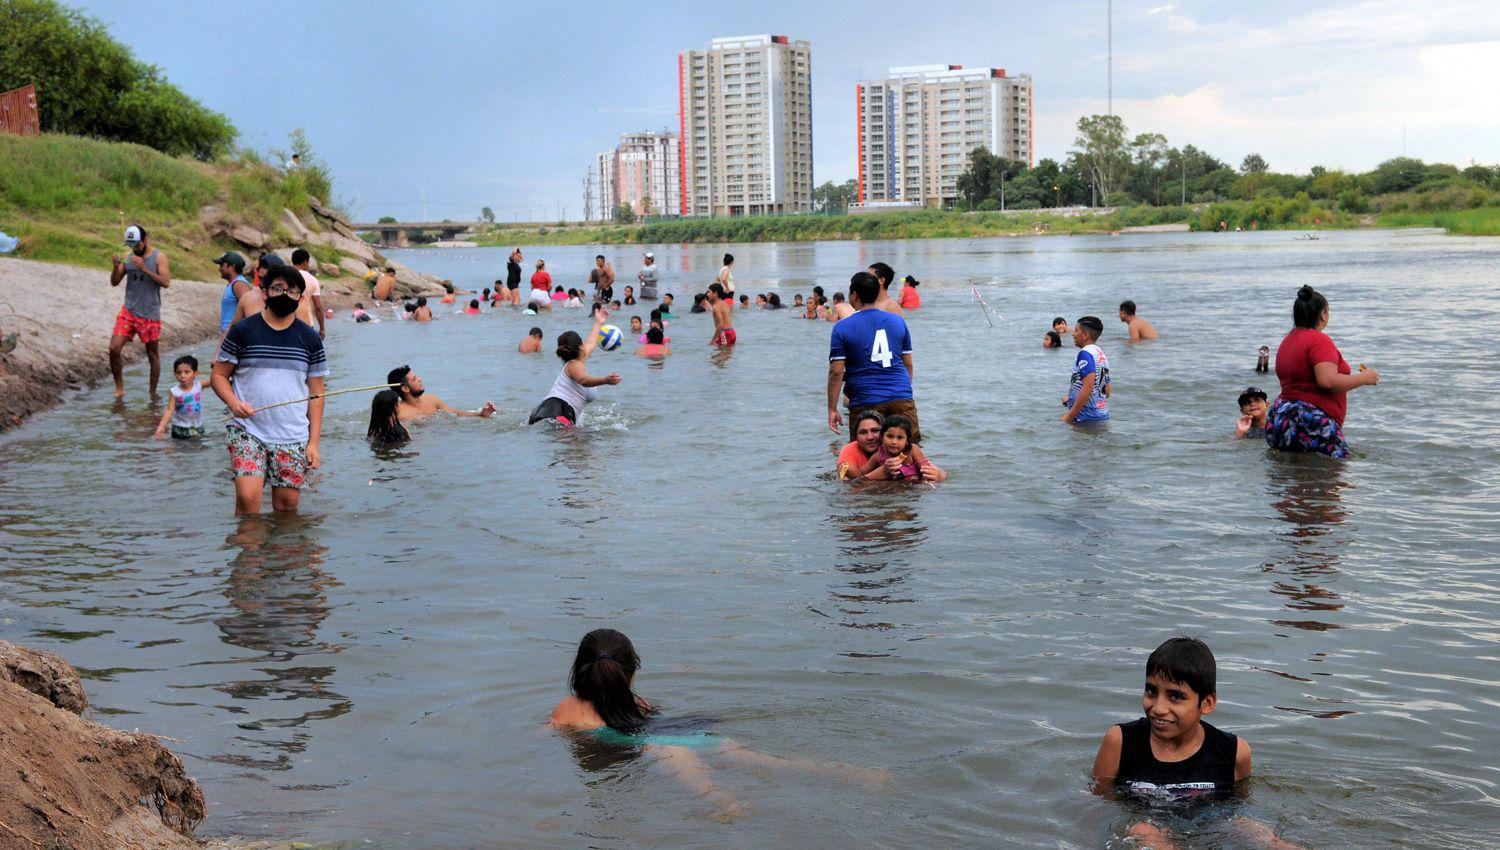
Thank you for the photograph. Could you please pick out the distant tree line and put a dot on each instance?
(1107, 167)
(88, 84)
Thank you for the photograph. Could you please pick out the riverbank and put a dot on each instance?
(63, 317)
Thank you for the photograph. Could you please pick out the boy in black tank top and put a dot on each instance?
(1171, 753)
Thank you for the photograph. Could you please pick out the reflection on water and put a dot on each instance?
(1306, 491)
(278, 593)
(876, 538)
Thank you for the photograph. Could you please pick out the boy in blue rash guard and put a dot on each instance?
(1088, 391)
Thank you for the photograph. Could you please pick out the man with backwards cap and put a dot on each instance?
(648, 277)
(146, 273)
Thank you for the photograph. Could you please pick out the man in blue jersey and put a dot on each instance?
(1088, 390)
(870, 352)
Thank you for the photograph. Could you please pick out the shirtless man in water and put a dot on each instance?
(385, 285)
(416, 404)
(885, 274)
(723, 324)
(1139, 328)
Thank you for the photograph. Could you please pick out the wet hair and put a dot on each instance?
(569, 345)
(654, 335)
(359, 305)
(300, 256)
(187, 359)
(385, 426)
(1127, 307)
(885, 273)
(410, 306)
(486, 293)
(421, 301)
(1091, 324)
(1059, 321)
(1054, 340)
(398, 375)
(838, 297)
(598, 256)
(744, 299)
(717, 289)
(287, 275)
(601, 674)
(818, 291)
(536, 332)
(911, 281)
(474, 303)
(1251, 393)
(728, 259)
(774, 300)
(638, 318)
(1185, 661)
(448, 286)
(865, 287)
(896, 420)
(868, 414)
(1308, 309)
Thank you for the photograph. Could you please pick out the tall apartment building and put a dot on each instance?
(918, 126)
(641, 171)
(745, 107)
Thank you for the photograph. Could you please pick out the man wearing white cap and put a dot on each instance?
(648, 277)
(146, 274)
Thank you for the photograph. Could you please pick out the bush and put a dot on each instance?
(88, 84)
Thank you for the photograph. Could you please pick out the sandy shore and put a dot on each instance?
(65, 316)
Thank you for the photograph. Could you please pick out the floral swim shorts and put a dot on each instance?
(1296, 426)
(281, 464)
(128, 325)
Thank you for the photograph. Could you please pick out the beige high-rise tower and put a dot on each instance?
(917, 127)
(745, 107)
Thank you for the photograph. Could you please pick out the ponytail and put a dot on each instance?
(569, 345)
(602, 672)
(1309, 307)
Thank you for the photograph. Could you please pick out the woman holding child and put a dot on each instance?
(1308, 415)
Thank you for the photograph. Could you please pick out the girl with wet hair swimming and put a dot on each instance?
(603, 704)
(574, 387)
(385, 426)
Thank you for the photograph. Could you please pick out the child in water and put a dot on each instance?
(1263, 360)
(360, 315)
(1253, 410)
(1172, 754)
(473, 308)
(899, 459)
(185, 413)
(603, 704)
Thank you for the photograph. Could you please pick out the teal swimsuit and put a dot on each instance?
(695, 740)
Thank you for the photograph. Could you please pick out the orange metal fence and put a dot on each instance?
(18, 112)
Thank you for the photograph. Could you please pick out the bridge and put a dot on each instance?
(394, 233)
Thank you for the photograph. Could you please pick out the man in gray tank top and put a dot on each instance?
(146, 274)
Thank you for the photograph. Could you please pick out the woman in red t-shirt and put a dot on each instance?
(910, 300)
(1308, 415)
(540, 279)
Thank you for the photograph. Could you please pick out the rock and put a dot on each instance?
(353, 266)
(73, 783)
(248, 236)
(44, 674)
(357, 247)
(326, 211)
(298, 229)
(410, 282)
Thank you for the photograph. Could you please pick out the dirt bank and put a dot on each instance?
(72, 783)
(64, 316)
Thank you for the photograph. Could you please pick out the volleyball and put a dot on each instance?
(609, 337)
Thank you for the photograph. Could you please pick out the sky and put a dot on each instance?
(505, 104)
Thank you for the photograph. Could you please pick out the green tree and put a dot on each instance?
(1149, 156)
(1100, 150)
(624, 214)
(1395, 175)
(386, 219)
(487, 215)
(835, 198)
(312, 176)
(1254, 164)
(88, 84)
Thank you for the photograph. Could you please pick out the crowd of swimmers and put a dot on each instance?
(272, 351)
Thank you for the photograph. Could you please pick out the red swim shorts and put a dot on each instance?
(128, 324)
(726, 337)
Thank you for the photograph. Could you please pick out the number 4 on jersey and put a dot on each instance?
(881, 351)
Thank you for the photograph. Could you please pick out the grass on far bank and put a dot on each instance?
(70, 198)
(1484, 221)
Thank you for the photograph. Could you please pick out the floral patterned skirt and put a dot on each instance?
(1297, 426)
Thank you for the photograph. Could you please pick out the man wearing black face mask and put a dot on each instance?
(273, 358)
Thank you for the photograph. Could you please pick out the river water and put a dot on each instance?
(381, 667)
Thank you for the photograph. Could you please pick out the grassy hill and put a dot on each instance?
(70, 198)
